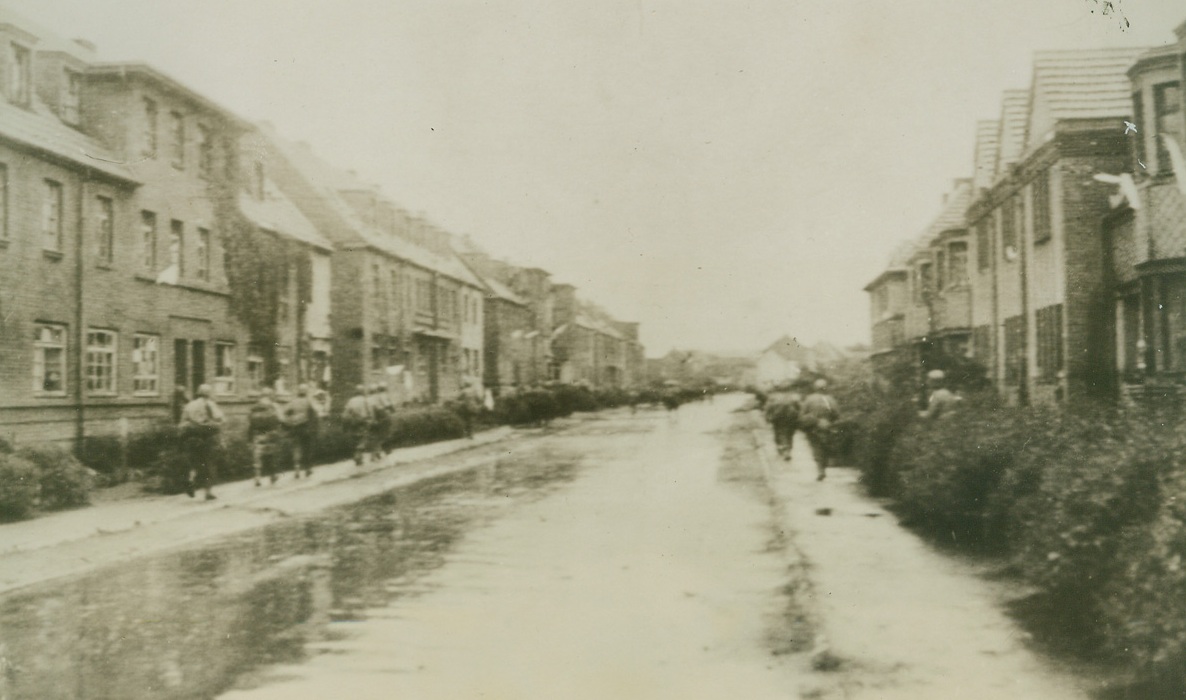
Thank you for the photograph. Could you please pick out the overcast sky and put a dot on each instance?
(722, 172)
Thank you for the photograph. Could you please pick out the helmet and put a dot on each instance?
(205, 390)
(936, 375)
(821, 384)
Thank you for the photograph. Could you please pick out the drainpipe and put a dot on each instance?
(1019, 223)
(80, 317)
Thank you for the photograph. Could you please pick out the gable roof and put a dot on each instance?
(1011, 131)
(276, 213)
(350, 229)
(984, 159)
(40, 129)
(1082, 84)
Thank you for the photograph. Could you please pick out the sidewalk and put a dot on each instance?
(72, 541)
(900, 619)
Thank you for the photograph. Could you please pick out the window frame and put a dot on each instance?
(39, 348)
(105, 229)
(177, 235)
(224, 361)
(1040, 209)
(71, 99)
(1171, 109)
(139, 377)
(151, 134)
(957, 274)
(148, 239)
(177, 139)
(20, 74)
(202, 271)
(205, 151)
(53, 202)
(111, 353)
(3, 203)
(256, 372)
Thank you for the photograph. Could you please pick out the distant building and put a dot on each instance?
(783, 361)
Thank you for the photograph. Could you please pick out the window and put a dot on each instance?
(177, 246)
(982, 346)
(150, 127)
(148, 240)
(71, 96)
(283, 312)
(922, 282)
(940, 269)
(49, 359)
(51, 216)
(3, 202)
(100, 362)
(105, 228)
(424, 296)
(203, 254)
(957, 260)
(1041, 206)
(1009, 228)
(224, 368)
(1167, 108)
(146, 368)
(983, 244)
(255, 372)
(1050, 362)
(205, 151)
(18, 74)
(177, 139)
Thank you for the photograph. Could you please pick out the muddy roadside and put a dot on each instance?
(870, 611)
(74, 542)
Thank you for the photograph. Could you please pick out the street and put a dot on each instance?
(624, 556)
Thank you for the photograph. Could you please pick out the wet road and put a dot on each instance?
(621, 558)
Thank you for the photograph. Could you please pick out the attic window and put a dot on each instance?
(18, 75)
(71, 96)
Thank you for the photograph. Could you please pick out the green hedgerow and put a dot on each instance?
(64, 481)
(19, 487)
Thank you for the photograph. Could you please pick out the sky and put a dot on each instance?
(722, 172)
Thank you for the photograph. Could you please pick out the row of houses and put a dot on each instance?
(151, 241)
(1059, 264)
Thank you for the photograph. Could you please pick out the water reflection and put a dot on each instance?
(186, 625)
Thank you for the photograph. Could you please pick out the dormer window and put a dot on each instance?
(19, 75)
(71, 96)
(1167, 109)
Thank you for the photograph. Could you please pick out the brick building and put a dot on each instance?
(1145, 232)
(405, 311)
(112, 275)
(1036, 291)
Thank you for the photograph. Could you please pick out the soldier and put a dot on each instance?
(301, 419)
(782, 412)
(816, 416)
(200, 428)
(263, 431)
(356, 421)
(382, 409)
(941, 401)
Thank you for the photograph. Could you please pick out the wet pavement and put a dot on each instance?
(618, 558)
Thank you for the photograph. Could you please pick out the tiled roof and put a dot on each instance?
(330, 181)
(40, 128)
(276, 212)
(1087, 84)
(984, 160)
(47, 40)
(787, 348)
(594, 324)
(501, 291)
(1011, 135)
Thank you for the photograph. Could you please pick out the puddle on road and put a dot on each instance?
(189, 624)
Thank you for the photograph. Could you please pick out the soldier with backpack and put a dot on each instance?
(200, 428)
(263, 432)
(301, 420)
(357, 418)
(782, 412)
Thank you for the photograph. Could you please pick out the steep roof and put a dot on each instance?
(354, 231)
(1011, 134)
(40, 129)
(1083, 84)
(984, 160)
(276, 213)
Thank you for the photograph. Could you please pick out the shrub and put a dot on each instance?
(422, 425)
(19, 487)
(64, 481)
(102, 453)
